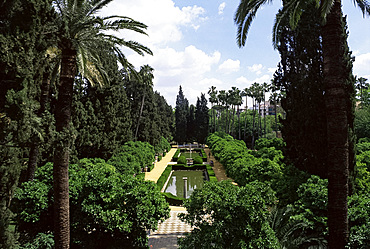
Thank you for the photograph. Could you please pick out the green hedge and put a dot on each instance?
(162, 180)
(204, 156)
(181, 160)
(176, 155)
(211, 173)
(173, 200)
(198, 160)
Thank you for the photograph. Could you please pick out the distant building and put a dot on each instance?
(267, 108)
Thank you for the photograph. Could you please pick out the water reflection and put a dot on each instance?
(175, 185)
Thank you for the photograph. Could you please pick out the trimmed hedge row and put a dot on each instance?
(176, 155)
(211, 173)
(162, 180)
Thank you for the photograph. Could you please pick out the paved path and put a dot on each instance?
(168, 232)
(218, 168)
(160, 166)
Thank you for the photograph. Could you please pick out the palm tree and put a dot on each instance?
(246, 93)
(253, 93)
(222, 96)
(361, 85)
(293, 233)
(265, 88)
(146, 79)
(233, 101)
(238, 102)
(80, 31)
(274, 98)
(213, 99)
(336, 101)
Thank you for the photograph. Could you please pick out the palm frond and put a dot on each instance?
(98, 5)
(124, 23)
(326, 7)
(244, 16)
(126, 64)
(364, 5)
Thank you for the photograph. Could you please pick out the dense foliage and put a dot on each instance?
(301, 197)
(108, 209)
(227, 216)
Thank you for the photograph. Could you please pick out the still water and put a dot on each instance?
(175, 185)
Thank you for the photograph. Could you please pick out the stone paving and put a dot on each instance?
(168, 232)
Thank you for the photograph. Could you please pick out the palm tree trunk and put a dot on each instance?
(141, 112)
(276, 129)
(239, 132)
(254, 116)
(337, 127)
(259, 120)
(231, 127)
(214, 120)
(245, 126)
(63, 113)
(264, 113)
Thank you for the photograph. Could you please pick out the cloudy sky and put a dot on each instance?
(194, 44)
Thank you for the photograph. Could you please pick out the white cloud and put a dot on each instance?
(163, 18)
(221, 8)
(229, 66)
(242, 81)
(173, 68)
(361, 66)
(272, 70)
(256, 68)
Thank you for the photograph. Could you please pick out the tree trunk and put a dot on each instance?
(231, 126)
(259, 120)
(337, 127)
(214, 120)
(239, 132)
(245, 120)
(264, 113)
(254, 115)
(141, 112)
(276, 129)
(34, 151)
(63, 112)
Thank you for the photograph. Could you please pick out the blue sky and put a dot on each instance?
(194, 44)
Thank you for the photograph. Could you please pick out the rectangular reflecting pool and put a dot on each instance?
(175, 185)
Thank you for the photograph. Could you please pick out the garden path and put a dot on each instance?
(160, 166)
(218, 168)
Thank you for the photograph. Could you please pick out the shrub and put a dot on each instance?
(198, 160)
(132, 156)
(227, 216)
(181, 160)
(176, 155)
(163, 178)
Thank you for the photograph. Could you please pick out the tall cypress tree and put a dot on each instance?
(101, 115)
(181, 113)
(300, 76)
(21, 52)
(191, 124)
(202, 119)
